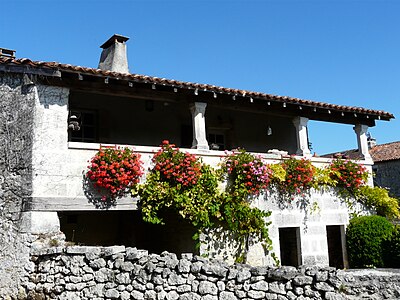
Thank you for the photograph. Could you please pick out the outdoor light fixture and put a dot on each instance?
(269, 130)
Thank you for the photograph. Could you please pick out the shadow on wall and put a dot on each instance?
(107, 228)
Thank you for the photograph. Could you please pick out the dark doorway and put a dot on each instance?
(335, 236)
(107, 228)
(289, 240)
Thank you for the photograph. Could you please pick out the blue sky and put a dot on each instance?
(342, 52)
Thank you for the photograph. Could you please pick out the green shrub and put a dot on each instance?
(392, 249)
(365, 238)
(378, 198)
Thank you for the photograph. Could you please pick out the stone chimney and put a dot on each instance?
(113, 57)
(371, 141)
(7, 53)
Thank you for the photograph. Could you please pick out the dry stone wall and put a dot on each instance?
(128, 273)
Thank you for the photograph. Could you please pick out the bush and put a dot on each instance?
(392, 249)
(365, 240)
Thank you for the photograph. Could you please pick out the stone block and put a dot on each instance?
(39, 222)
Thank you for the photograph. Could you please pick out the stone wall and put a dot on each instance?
(387, 175)
(16, 110)
(128, 273)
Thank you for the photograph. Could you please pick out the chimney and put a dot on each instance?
(7, 53)
(371, 141)
(113, 57)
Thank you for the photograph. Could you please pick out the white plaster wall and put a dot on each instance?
(59, 167)
(50, 164)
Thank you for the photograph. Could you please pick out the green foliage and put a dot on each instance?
(180, 182)
(379, 199)
(392, 249)
(365, 238)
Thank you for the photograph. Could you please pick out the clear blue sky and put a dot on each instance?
(342, 52)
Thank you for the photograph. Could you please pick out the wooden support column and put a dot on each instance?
(301, 135)
(198, 110)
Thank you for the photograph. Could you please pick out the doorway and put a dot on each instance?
(289, 241)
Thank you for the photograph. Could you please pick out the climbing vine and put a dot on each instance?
(180, 182)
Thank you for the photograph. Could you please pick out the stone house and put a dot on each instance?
(43, 155)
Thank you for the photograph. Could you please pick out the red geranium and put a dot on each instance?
(175, 166)
(299, 176)
(115, 170)
(348, 174)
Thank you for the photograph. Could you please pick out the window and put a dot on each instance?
(216, 141)
(82, 126)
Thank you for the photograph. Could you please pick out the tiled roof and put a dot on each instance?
(383, 152)
(188, 85)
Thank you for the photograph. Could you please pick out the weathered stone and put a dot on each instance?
(278, 288)
(257, 271)
(137, 295)
(123, 278)
(240, 294)
(283, 273)
(256, 294)
(184, 288)
(172, 295)
(243, 275)
(125, 295)
(161, 294)
(150, 295)
(175, 279)
(184, 266)
(109, 251)
(213, 268)
(302, 280)
(260, 286)
(150, 267)
(227, 296)
(87, 277)
(321, 276)
(298, 291)
(206, 287)
(209, 297)
(334, 296)
(126, 266)
(270, 296)
(138, 286)
(290, 295)
(189, 296)
(323, 286)
(97, 263)
(221, 286)
(196, 267)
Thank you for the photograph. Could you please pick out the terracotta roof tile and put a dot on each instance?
(189, 85)
(384, 152)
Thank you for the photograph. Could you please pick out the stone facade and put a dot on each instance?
(128, 273)
(387, 175)
(16, 137)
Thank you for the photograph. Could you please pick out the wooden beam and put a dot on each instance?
(75, 204)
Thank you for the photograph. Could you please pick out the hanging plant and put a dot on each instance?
(299, 177)
(114, 171)
(246, 173)
(347, 174)
(180, 182)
